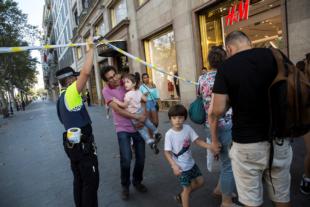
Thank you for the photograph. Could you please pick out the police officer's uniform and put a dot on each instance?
(84, 164)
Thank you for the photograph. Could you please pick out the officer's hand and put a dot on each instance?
(90, 43)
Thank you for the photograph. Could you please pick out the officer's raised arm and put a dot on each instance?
(85, 71)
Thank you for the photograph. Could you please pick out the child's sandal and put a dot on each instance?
(178, 198)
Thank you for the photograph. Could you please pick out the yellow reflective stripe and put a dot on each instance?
(138, 59)
(16, 49)
(47, 46)
(71, 45)
(73, 99)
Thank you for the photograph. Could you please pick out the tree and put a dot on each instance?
(17, 70)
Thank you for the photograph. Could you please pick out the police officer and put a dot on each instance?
(72, 113)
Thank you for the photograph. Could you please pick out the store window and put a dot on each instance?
(100, 29)
(263, 26)
(79, 52)
(160, 50)
(118, 12)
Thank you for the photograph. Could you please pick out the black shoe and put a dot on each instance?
(152, 145)
(154, 148)
(304, 186)
(140, 188)
(157, 137)
(125, 193)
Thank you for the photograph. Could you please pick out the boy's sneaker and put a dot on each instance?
(125, 193)
(153, 146)
(157, 137)
(305, 185)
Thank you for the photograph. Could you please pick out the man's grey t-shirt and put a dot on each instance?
(245, 78)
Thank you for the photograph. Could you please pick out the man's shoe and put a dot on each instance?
(305, 186)
(125, 193)
(140, 188)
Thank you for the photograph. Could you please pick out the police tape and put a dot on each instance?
(27, 48)
(103, 41)
(153, 66)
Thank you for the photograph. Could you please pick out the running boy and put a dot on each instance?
(177, 143)
(132, 103)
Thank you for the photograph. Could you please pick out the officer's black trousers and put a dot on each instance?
(86, 181)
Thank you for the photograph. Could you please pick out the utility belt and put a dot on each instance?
(76, 151)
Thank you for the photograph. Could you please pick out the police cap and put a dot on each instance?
(65, 73)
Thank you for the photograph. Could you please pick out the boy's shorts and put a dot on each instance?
(187, 176)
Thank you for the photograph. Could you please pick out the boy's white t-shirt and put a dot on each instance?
(176, 140)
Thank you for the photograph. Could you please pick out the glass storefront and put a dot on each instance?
(161, 51)
(263, 26)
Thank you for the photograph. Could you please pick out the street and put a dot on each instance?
(35, 172)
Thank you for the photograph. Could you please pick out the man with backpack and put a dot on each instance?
(243, 83)
(304, 66)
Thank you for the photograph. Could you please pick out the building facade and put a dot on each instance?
(49, 57)
(177, 35)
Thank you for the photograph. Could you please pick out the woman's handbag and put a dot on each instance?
(197, 112)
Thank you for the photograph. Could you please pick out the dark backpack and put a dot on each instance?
(289, 96)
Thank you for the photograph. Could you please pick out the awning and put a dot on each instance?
(106, 51)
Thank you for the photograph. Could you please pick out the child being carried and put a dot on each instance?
(132, 103)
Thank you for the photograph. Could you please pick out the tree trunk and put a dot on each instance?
(12, 98)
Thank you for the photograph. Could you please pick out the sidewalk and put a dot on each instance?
(34, 170)
(170, 183)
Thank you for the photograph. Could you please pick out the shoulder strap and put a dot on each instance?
(149, 91)
(182, 151)
(281, 74)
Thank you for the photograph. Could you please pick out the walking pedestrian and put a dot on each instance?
(304, 188)
(125, 132)
(132, 103)
(72, 113)
(177, 152)
(242, 83)
(151, 92)
(88, 97)
(216, 57)
(23, 105)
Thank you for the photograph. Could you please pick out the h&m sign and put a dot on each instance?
(237, 13)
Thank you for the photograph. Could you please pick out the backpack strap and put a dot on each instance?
(280, 59)
(281, 72)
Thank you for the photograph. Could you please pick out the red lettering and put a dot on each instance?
(232, 15)
(243, 10)
(241, 14)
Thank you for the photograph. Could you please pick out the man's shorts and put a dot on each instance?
(187, 176)
(250, 165)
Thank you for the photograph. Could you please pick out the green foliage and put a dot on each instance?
(16, 69)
